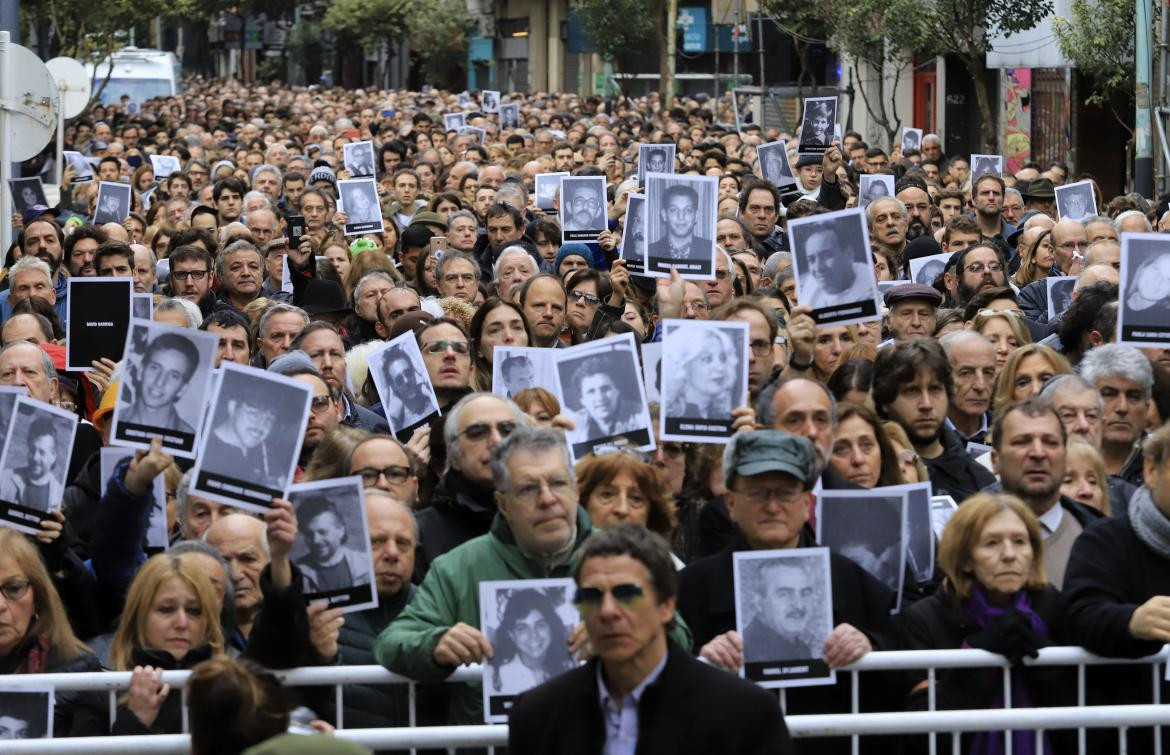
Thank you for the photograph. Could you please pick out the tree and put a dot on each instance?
(621, 31)
(880, 39)
(966, 28)
(805, 24)
(368, 23)
(438, 33)
(1098, 37)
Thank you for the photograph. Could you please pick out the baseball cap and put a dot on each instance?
(763, 451)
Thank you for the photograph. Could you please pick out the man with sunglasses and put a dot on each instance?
(769, 475)
(640, 693)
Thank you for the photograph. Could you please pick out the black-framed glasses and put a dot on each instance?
(481, 430)
(761, 348)
(321, 403)
(15, 588)
(590, 598)
(438, 347)
(589, 299)
(184, 275)
(394, 474)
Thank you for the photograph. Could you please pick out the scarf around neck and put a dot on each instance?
(1149, 524)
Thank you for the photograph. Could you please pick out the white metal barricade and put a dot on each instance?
(854, 724)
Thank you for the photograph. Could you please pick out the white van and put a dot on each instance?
(139, 74)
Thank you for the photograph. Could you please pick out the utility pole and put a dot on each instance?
(1143, 146)
(667, 93)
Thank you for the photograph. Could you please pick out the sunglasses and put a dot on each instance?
(589, 299)
(393, 474)
(589, 599)
(481, 430)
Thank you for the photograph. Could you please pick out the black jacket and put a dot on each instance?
(170, 715)
(941, 623)
(1110, 573)
(75, 713)
(690, 708)
(954, 472)
(459, 511)
(706, 602)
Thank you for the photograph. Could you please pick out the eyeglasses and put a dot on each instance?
(394, 474)
(480, 430)
(589, 299)
(979, 267)
(438, 347)
(184, 275)
(761, 348)
(626, 594)
(721, 274)
(321, 403)
(1008, 312)
(907, 457)
(529, 492)
(15, 588)
(1073, 245)
(695, 306)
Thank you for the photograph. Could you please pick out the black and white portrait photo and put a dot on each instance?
(82, 170)
(774, 163)
(359, 201)
(1060, 294)
(157, 534)
(256, 425)
(680, 225)
(654, 158)
(981, 164)
(834, 274)
(528, 623)
(704, 377)
(919, 535)
(113, 203)
(816, 125)
(98, 320)
(166, 376)
(911, 139)
(517, 368)
(1143, 312)
(869, 528)
(784, 614)
(141, 306)
(163, 166)
(942, 507)
(509, 115)
(404, 387)
(583, 208)
(454, 121)
(652, 370)
(926, 269)
(8, 396)
(332, 548)
(359, 159)
(633, 244)
(26, 712)
(27, 193)
(34, 462)
(489, 101)
(601, 390)
(1076, 200)
(874, 187)
(548, 187)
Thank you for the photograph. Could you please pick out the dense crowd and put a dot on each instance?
(1047, 434)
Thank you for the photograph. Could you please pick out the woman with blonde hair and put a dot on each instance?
(539, 404)
(1036, 261)
(1085, 478)
(1005, 329)
(36, 637)
(995, 597)
(170, 621)
(1026, 371)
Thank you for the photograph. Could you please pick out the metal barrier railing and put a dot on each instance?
(854, 724)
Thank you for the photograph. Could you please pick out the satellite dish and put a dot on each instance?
(73, 85)
(32, 114)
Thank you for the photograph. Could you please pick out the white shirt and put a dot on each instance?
(1050, 520)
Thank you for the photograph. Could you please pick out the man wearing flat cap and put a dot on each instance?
(769, 476)
(912, 309)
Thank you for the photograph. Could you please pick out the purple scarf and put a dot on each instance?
(983, 613)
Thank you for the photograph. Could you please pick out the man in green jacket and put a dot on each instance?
(536, 535)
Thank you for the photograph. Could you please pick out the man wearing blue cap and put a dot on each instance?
(769, 475)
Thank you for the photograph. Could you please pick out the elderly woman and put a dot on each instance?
(36, 638)
(540, 405)
(1085, 478)
(170, 621)
(619, 488)
(862, 452)
(995, 597)
(1026, 371)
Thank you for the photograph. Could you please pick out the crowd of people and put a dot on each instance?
(1047, 434)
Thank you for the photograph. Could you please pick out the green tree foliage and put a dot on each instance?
(623, 32)
(1098, 37)
(367, 23)
(439, 30)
